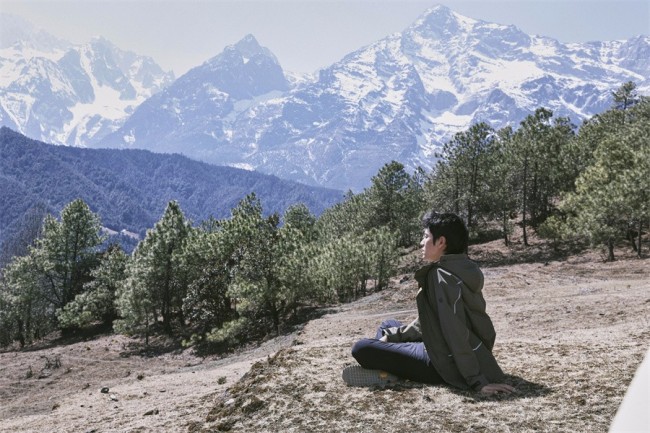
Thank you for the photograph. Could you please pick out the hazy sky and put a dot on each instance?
(306, 35)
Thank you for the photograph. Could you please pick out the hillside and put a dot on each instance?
(130, 188)
(570, 335)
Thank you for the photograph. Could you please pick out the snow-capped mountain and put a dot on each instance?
(195, 115)
(57, 92)
(399, 98)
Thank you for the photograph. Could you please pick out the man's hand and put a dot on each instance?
(495, 388)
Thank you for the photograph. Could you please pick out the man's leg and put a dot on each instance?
(406, 360)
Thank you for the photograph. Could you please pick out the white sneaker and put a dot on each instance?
(356, 375)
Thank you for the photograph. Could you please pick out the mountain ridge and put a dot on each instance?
(130, 188)
(403, 96)
(400, 98)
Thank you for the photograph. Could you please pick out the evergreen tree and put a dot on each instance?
(501, 180)
(612, 193)
(97, 302)
(156, 281)
(67, 252)
(26, 314)
(625, 96)
(208, 258)
(528, 143)
(300, 218)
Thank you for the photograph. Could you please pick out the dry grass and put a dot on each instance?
(570, 335)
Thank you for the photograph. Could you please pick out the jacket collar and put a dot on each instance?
(421, 274)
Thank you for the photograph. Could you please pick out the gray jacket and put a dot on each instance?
(456, 331)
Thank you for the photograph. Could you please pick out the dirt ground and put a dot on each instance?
(570, 335)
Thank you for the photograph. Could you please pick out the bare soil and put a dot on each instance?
(571, 331)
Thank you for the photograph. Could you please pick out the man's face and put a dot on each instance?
(432, 251)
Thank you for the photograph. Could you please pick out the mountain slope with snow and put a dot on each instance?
(399, 98)
(195, 114)
(54, 91)
(405, 95)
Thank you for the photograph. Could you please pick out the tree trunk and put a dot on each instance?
(638, 251)
(167, 323)
(534, 200)
(275, 315)
(610, 248)
(505, 227)
(525, 201)
(146, 332)
(21, 333)
(457, 195)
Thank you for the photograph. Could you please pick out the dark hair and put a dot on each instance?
(449, 225)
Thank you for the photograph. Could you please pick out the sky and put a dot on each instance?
(306, 35)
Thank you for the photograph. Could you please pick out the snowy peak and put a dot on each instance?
(195, 114)
(399, 98)
(248, 47)
(440, 22)
(66, 94)
(243, 70)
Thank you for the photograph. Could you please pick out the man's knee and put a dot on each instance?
(362, 348)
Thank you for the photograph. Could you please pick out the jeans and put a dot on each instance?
(406, 360)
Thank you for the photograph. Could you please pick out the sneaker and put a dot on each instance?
(356, 375)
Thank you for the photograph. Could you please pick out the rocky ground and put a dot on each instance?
(571, 331)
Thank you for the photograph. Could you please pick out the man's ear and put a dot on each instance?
(442, 242)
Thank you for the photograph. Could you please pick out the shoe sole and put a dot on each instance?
(355, 375)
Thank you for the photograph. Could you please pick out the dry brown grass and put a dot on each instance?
(570, 335)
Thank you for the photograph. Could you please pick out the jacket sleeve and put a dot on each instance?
(448, 296)
(402, 334)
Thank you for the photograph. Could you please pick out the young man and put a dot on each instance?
(451, 340)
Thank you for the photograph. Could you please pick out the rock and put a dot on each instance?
(113, 397)
(140, 376)
(104, 390)
(151, 412)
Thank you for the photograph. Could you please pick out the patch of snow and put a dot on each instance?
(243, 166)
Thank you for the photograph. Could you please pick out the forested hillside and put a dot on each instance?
(216, 283)
(130, 188)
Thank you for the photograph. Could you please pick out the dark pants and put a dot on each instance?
(406, 360)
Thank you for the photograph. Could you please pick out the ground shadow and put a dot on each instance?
(57, 339)
(525, 389)
(255, 337)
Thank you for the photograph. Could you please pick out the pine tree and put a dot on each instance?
(501, 180)
(156, 282)
(612, 193)
(97, 302)
(26, 314)
(67, 252)
(208, 260)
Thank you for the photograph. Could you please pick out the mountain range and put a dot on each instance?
(61, 93)
(399, 98)
(130, 188)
